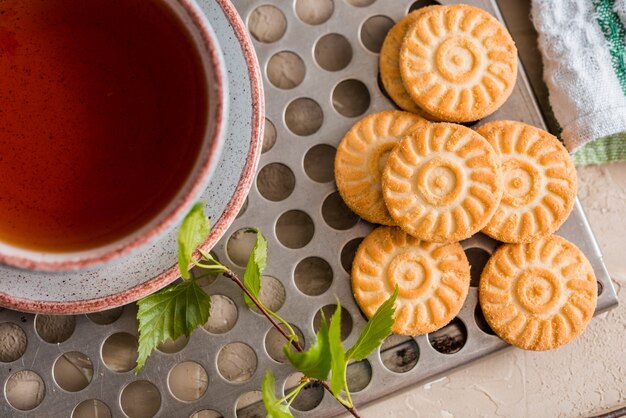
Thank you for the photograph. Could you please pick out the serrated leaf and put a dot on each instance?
(377, 329)
(193, 231)
(274, 408)
(173, 311)
(315, 362)
(254, 268)
(338, 360)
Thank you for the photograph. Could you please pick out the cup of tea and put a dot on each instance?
(111, 124)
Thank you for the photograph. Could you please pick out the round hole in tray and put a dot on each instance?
(423, 3)
(294, 229)
(333, 52)
(337, 214)
(358, 375)
(275, 341)
(481, 321)
(250, 405)
(286, 70)
(188, 381)
(313, 276)
(348, 252)
(13, 342)
(73, 371)
(92, 408)
(55, 329)
(477, 258)
(351, 98)
(106, 317)
(269, 136)
(240, 245)
(237, 362)
(314, 12)
(276, 182)
(173, 346)
(374, 30)
(119, 352)
(399, 353)
(329, 310)
(600, 288)
(24, 390)
(310, 395)
(267, 24)
(449, 339)
(361, 3)
(206, 413)
(201, 276)
(272, 294)
(222, 316)
(319, 163)
(140, 399)
(304, 116)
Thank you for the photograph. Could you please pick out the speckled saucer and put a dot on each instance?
(150, 270)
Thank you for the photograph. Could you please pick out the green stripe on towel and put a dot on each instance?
(615, 33)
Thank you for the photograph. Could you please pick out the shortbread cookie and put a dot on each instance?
(458, 63)
(390, 63)
(442, 183)
(361, 156)
(539, 182)
(538, 296)
(433, 279)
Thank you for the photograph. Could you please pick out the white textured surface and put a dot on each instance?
(584, 377)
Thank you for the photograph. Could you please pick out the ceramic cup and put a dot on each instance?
(195, 22)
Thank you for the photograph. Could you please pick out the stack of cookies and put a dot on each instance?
(433, 184)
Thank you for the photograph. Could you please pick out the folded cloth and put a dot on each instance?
(583, 44)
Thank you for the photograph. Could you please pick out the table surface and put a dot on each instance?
(583, 378)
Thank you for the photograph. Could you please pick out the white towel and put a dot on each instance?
(582, 43)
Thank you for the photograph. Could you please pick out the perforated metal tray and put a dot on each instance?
(402, 361)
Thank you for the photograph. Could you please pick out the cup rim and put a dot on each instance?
(167, 218)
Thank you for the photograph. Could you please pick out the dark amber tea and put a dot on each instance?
(103, 108)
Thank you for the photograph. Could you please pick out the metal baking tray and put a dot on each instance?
(402, 361)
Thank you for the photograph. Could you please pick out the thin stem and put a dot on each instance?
(232, 276)
(348, 396)
(287, 325)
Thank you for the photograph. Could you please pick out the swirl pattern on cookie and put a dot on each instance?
(458, 63)
(442, 183)
(390, 63)
(361, 157)
(540, 295)
(539, 182)
(433, 279)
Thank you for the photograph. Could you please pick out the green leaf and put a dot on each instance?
(338, 361)
(274, 408)
(315, 362)
(377, 329)
(173, 311)
(255, 267)
(193, 231)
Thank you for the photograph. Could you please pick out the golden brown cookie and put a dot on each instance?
(539, 182)
(458, 63)
(390, 63)
(361, 156)
(538, 296)
(433, 279)
(442, 183)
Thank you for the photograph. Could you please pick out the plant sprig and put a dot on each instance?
(181, 307)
